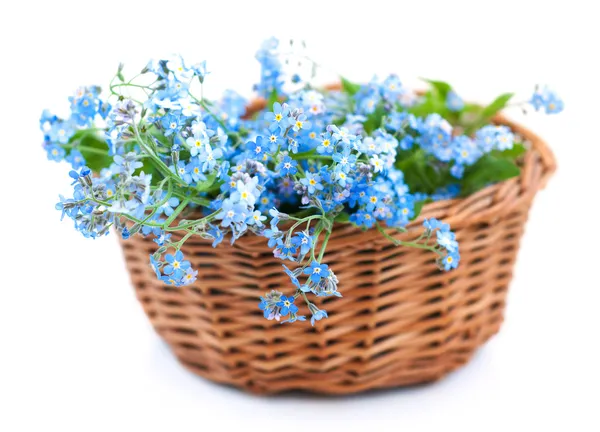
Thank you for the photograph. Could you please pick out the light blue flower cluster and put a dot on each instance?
(161, 159)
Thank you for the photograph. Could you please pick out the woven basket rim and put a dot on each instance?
(493, 200)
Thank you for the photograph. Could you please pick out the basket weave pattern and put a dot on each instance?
(401, 320)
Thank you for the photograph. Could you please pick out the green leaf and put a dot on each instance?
(206, 184)
(515, 152)
(149, 168)
(441, 87)
(120, 73)
(420, 172)
(498, 104)
(374, 120)
(419, 207)
(94, 160)
(350, 87)
(489, 169)
(343, 217)
(273, 97)
(434, 101)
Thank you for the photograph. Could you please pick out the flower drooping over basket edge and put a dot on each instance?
(156, 158)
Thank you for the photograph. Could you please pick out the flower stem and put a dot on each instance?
(324, 246)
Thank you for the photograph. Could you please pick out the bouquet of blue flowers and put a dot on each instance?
(154, 157)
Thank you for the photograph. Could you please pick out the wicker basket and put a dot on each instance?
(401, 320)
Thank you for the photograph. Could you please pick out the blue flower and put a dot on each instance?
(345, 160)
(447, 240)
(162, 238)
(285, 251)
(61, 132)
(155, 266)
(245, 193)
(317, 314)
(342, 135)
(287, 166)
(466, 151)
(312, 182)
(55, 153)
(76, 159)
(457, 170)
(198, 141)
(326, 146)
(450, 261)
(265, 307)
(171, 123)
(209, 157)
(200, 70)
(278, 117)
(257, 147)
(292, 276)
(175, 263)
(432, 224)
(231, 213)
(256, 218)
(125, 233)
(216, 234)
(299, 123)
(316, 271)
(548, 100)
(274, 236)
(287, 305)
(189, 276)
(304, 241)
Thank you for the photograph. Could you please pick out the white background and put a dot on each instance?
(76, 351)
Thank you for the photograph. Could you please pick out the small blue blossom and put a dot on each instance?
(287, 166)
(317, 314)
(312, 182)
(304, 241)
(256, 218)
(171, 124)
(447, 240)
(55, 153)
(75, 158)
(175, 262)
(316, 271)
(544, 98)
(287, 305)
(278, 117)
(450, 261)
(434, 224)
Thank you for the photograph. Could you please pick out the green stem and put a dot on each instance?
(300, 222)
(324, 246)
(196, 200)
(86, 149)
(159, 163)
(204, 105)
(194, 223)
(409, 244)
(182, 241)
(177, 211)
